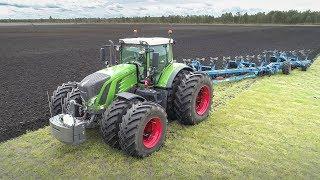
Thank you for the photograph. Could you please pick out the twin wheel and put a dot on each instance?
(136, 127)
(139, 128)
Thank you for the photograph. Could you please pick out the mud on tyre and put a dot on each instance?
(193, 98)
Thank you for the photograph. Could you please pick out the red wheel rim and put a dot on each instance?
(152, 132)
(203, 100)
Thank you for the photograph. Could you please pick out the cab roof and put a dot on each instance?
(150, 40)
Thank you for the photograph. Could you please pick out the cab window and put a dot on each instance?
(163, 55)
(135, 54)
(131, 53)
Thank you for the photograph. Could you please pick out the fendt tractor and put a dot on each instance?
(132, 98)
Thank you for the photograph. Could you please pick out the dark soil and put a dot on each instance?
(34, 60)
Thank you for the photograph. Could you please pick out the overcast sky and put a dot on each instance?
(117, 8)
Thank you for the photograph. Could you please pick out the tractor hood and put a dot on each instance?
(91, 85)
(99, 89)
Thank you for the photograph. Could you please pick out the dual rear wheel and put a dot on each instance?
(193, 98)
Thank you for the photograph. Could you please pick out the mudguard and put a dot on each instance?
(130, 96)
(169, 73)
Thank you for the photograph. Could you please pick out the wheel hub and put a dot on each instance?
(203, 100)
(152, 132)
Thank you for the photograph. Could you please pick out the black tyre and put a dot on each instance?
(171, 96)
(193, 98)
(74, 95)
(286, 67)
(57, 99)
(143, 129)
(111, 119)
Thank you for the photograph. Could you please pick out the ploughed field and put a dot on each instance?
(35, 59)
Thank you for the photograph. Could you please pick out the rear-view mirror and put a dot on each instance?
(103, 54)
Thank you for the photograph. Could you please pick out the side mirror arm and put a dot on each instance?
(112, 54)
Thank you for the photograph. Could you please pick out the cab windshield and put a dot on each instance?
(132, 53)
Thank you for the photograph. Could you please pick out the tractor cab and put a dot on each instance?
(150, 55)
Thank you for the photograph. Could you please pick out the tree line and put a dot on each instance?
(272, 17)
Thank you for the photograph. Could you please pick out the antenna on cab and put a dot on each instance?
(170, 32)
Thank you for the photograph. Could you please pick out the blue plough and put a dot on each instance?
(269, 63)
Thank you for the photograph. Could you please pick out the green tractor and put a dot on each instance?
(132, 98)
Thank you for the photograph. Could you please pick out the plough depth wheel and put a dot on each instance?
(286, 68)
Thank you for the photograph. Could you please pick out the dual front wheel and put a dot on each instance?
(61, 98)
(138, 128)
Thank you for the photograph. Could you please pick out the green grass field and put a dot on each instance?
(260, 128)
